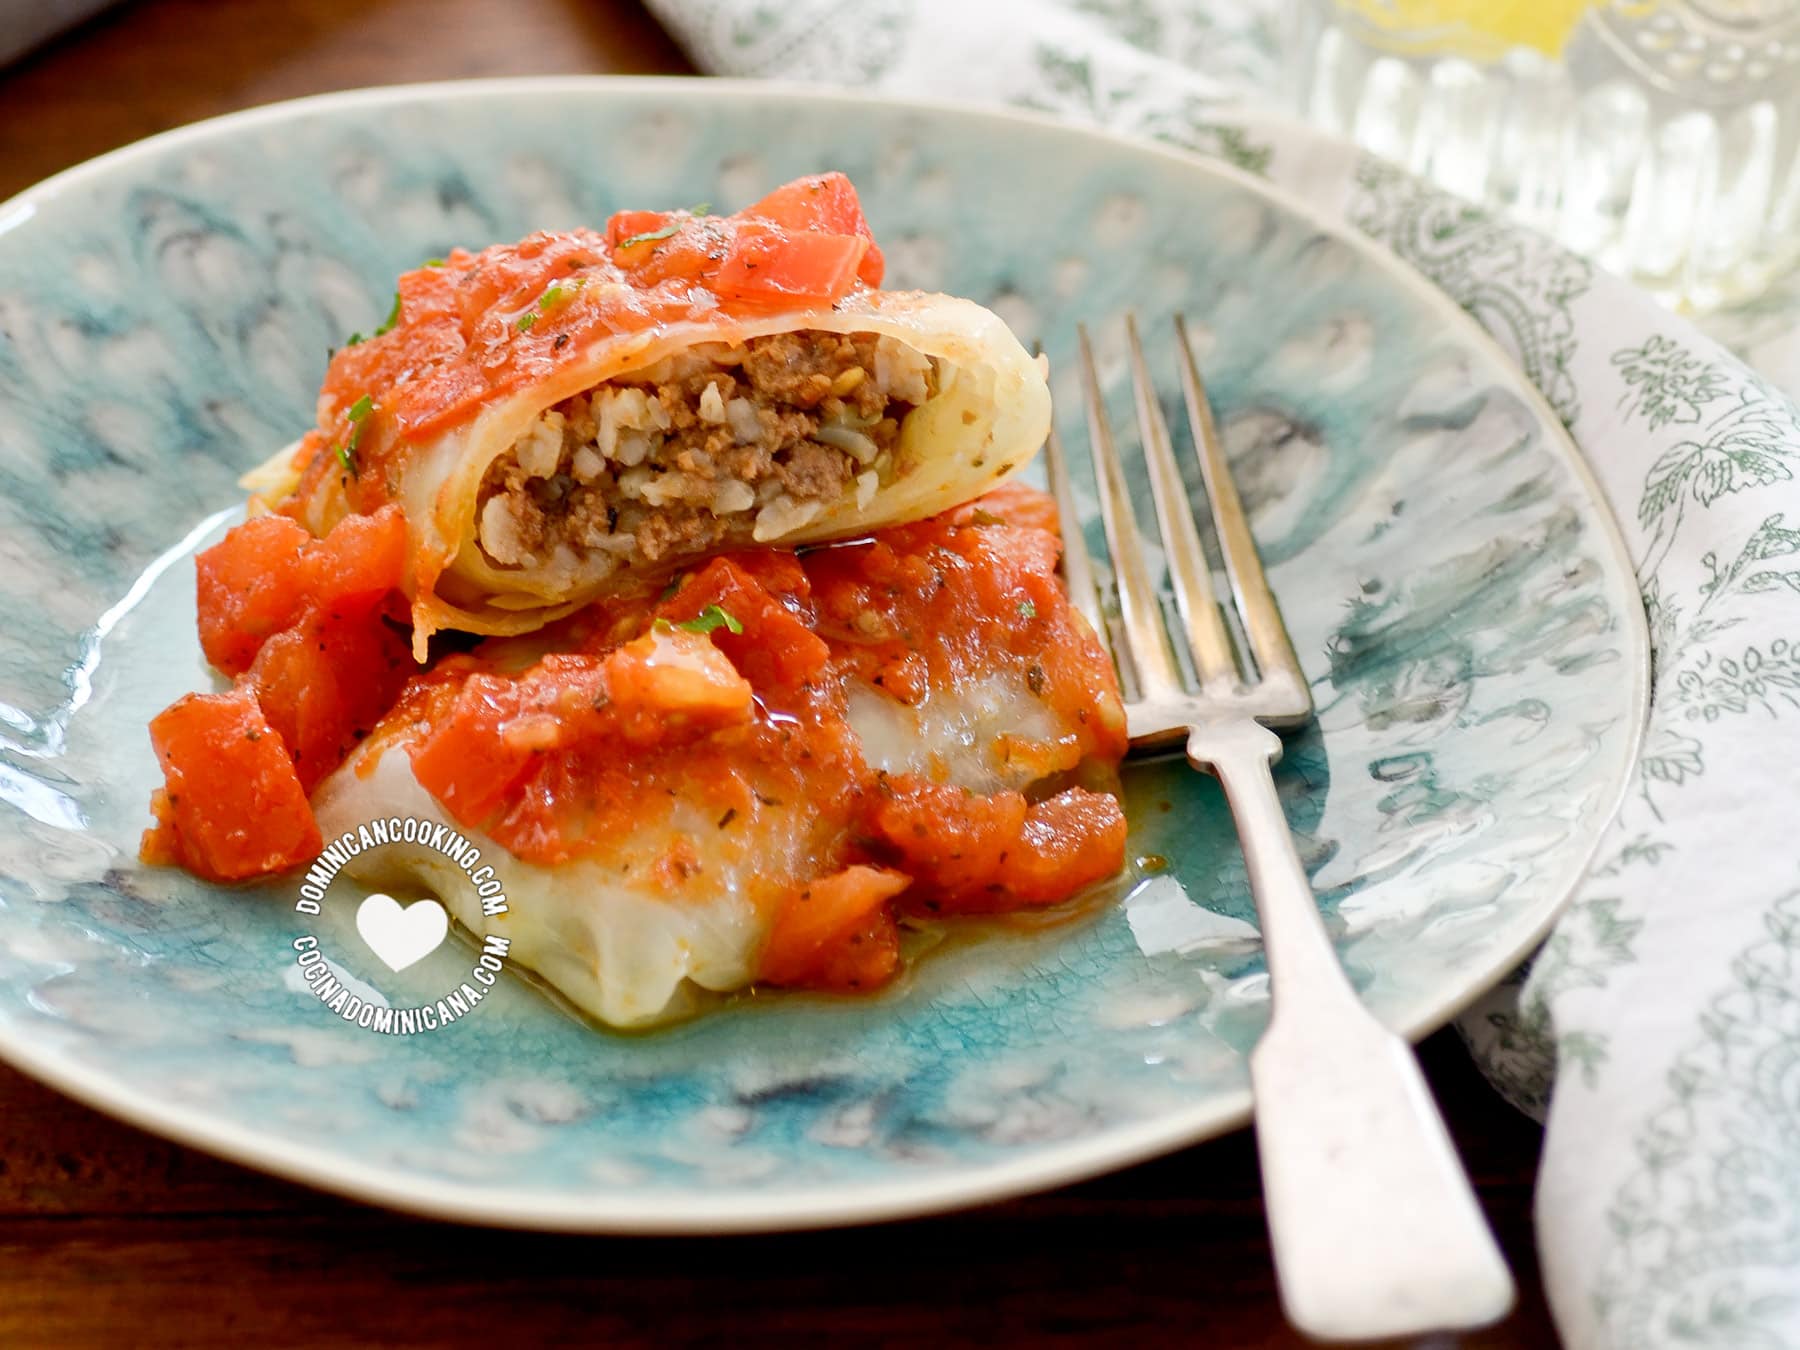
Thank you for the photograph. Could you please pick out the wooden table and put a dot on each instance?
(108, 1235)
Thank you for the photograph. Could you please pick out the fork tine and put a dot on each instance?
(1256, 605)
(1189, 573)
(1140, 614)
(1077, 566)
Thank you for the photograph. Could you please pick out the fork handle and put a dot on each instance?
(1375, 1228)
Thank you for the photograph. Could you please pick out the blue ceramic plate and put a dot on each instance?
(1455, 589)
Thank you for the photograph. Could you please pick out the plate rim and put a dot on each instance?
(651, 1211)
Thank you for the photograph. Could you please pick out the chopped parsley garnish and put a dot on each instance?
(668, 592)
(1027, 610)
(666, 232)
(434, 262)
(387, 324)
(651, 236)
(710, 618)
(353, 339)
(346, 452)
(553, 296)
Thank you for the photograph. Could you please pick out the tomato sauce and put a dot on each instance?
(725, 694)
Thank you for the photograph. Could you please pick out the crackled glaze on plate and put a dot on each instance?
(1455, 591)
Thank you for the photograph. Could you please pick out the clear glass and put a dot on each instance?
(1659, 137)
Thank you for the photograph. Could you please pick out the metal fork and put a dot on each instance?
(1375, 1229)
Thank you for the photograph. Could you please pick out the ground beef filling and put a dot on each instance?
(717, 446)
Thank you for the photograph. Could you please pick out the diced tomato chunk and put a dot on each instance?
(653, 247)
(775, 650)
(767, 267)
(358, 563)
(465, 760)
(973, 854)
(835, 932)
(625, 225)
(867, 957)
(265, 574)
(232, 806)
(826, 203)
(805, 241)
(953, 841)
(1069, 841)
(687, 257)
(671, 682)
(325, 683)
(249, 586)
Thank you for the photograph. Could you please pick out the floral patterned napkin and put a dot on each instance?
(1665, 1008)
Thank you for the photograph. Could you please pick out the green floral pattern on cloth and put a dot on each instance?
(1521, 287)
(1711, 1207)
(1659, 1027)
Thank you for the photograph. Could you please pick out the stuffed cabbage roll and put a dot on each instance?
(557, 415)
